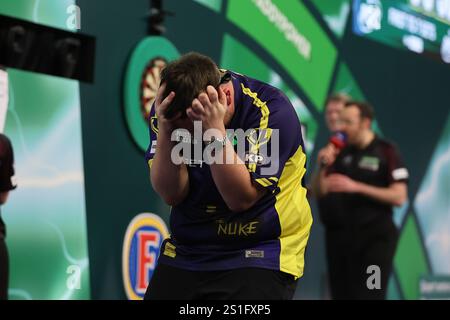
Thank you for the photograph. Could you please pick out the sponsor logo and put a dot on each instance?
(141, 248)
(259, 137)
(369, 163)
(238, 229)
(254, 253)
(254, 158)
(347, 160)
(400, 173)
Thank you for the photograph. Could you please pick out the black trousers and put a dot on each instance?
(170, 283)
(351, 251)
(4, 269)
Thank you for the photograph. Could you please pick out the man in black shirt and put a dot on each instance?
(6, 184)
(357, 189)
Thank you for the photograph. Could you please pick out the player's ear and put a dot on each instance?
(367, 123)
(227, 93)
(222, 95)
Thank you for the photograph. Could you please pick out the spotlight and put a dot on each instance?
(157, 16)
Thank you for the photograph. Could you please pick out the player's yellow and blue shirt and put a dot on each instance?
(205, 234)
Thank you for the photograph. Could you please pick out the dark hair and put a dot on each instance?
(365, 109)
(188, 76)
(338, 97)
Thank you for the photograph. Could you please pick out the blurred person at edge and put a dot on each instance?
(357, 188)
(335, 103)
(6, 184)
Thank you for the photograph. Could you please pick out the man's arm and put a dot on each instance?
(169, 180)
(395, 194)
(318, 187)
(326, 155)
(232, 180)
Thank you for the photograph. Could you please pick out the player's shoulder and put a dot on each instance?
(257, 89)
(264, 96)
(385, 143)
(387, 147)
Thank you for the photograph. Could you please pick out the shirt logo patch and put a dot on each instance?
(254, 253)
(400, 173)
(259, 137)
(170, 250)
(255, 158)
(347, 160)
(238, 229)
(154, 124)
(153, 148)
(369, 163)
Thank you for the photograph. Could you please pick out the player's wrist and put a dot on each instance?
(214, 131)
(165, 131)
(219, 139)
(216, 143)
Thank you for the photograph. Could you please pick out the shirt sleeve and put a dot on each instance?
(397, 171)
(7, 178)
(273, 138)
(153, 133)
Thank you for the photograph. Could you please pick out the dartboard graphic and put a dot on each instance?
(150, 83)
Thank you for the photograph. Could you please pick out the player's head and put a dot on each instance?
(188, 76)
(357, 120)
(333, 107)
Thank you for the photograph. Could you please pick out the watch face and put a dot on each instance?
(216, 141)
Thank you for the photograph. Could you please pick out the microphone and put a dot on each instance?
(338, 140)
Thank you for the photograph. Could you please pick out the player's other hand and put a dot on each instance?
(209, 108)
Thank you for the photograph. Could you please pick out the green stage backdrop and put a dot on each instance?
(305, 47)
(308, 49)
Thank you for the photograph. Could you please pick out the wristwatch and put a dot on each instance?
(217, 141)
